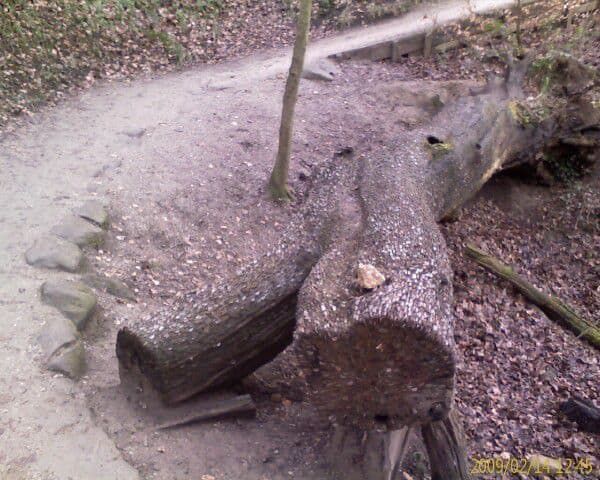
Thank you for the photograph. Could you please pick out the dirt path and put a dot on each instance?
(116, 139)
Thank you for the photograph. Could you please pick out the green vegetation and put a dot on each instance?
(440, 149)
(566, 165)
(495, 27)
(47, 46)
(543, 70)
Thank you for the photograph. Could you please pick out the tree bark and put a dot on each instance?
(387, 354)
(221, 334)
(445, 447)
(278, 182)
(553, 307)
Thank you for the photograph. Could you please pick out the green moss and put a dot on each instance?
(438, 150)
(495, 27)
(543, 68)
(523, 115)
(565, 165)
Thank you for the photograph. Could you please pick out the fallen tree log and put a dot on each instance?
(220, 334)
(364, 356)
(553, 307)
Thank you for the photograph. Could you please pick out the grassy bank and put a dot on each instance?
(48, 47)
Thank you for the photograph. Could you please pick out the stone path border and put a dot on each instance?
(60, 338)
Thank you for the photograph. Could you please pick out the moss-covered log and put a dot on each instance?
(553, 307)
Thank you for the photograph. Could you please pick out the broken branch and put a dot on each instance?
(230, 407)
(551, 306)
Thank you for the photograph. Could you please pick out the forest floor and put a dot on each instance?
(210, 137)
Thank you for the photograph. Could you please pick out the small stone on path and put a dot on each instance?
(74, 299)
(320, 69)
(70, 361)
(79, 231)
(93, 211)
(106, 284)
(53, 252)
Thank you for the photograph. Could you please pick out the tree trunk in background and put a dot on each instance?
(278, 186)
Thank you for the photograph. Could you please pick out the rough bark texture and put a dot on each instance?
(445, 447)
(386, 354)
(362, 357)
(223, 333)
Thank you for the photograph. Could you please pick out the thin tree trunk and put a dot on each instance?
(398, 441)
(278, 186)
(519, 19)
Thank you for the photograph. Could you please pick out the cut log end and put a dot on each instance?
(377, 374)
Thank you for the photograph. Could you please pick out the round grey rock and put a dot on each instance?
(93, 211)
(320, 69)
(54, 252)
(57, 333)
(69, 360)
(79, 231)
(74, 299)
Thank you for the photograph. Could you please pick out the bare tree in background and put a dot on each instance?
(278, 186)
(519, 20)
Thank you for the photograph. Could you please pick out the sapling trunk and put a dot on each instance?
(278, 184)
